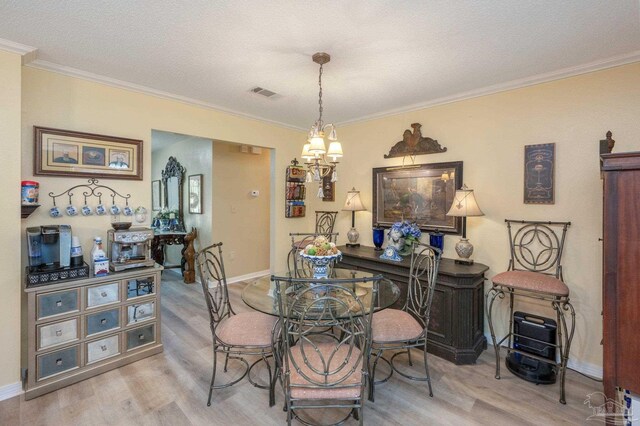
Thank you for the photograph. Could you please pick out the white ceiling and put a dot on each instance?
(387, 56)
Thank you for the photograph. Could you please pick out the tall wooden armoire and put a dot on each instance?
(621, 271)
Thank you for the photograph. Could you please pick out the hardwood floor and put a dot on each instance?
(171, 388)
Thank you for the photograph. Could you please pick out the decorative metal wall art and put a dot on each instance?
(539, 174)
(94, 189)
(413, 143)
(67, 153)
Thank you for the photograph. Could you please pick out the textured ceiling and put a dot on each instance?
(386, 55)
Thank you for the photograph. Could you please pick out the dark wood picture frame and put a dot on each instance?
(539, 173)
(195, 193)
(421, 193)
(328, 187)
(68, 153)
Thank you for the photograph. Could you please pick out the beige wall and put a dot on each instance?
(54, 100)
(241, 221)
(10, 288)
(488, 134)
(196, 156)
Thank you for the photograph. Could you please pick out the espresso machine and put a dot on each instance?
(49, 247)
(129, 248)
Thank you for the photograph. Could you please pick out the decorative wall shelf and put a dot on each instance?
(26, 210)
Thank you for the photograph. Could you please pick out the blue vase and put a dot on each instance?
(378, 237)
(436, 239)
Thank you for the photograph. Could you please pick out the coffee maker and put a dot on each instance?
(49, 247)
(129, 248)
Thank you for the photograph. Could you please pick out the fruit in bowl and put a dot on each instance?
(321, 247)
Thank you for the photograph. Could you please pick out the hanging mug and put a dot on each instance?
(101, 209)
(54, 212)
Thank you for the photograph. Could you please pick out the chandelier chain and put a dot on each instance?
(320, 98)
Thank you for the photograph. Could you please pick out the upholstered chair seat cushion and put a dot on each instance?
(532, 281)
(349, 388)
(394, 325)
(246, 329)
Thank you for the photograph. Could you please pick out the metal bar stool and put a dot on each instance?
(535, 272)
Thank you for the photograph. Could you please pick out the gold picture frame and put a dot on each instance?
(60, 152)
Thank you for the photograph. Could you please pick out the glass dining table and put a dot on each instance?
(260, 294)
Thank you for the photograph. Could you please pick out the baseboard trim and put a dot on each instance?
(10, 390)
(591, 370)
(250, 276)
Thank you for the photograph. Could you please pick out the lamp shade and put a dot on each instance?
(353, 202)
(464, 204)
(335, 150)
(306, 155)
(317, 143)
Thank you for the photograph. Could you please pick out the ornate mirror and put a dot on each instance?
(172, 180)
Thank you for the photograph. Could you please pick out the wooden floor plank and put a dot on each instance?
(171, 388)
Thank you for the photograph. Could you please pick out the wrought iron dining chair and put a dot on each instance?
(325, 221)
(406, 328)
(322, 370)
(299, 241)
(235, 335)
(535, 272)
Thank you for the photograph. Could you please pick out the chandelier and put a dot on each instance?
(314, 152)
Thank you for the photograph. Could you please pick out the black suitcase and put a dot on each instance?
(527, 327)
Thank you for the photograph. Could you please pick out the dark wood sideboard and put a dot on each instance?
(456, 328)
(621, 276)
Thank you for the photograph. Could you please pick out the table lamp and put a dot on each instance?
(353, 204)
(464, 205)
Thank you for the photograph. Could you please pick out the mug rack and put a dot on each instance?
(92, 189)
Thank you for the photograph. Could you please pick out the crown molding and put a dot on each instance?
(484, 91)
(28, 53)
(611, 62)
(120, 84)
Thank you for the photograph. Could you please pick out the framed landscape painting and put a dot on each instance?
(422, 193)
(67, 153)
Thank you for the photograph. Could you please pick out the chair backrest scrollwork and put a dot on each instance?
(425, 261)
(214, 284)
(537, 246)
(321, 360)
(325, 221)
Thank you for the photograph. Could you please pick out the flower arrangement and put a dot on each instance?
(410, 232)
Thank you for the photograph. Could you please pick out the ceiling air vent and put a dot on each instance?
(264, 92)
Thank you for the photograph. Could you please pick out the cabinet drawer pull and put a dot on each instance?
(58, 333)
(103, 347)
(140, 336)
(103, 294)
(59, 303)
(59, 361)
(103, 321)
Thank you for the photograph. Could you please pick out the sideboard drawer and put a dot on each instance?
(103, 294)
(57, 303)
(103, 348)
(138, 287)
(103, 321)
(140, 312)
(57, 362)
(57, 333)
(141, 336)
